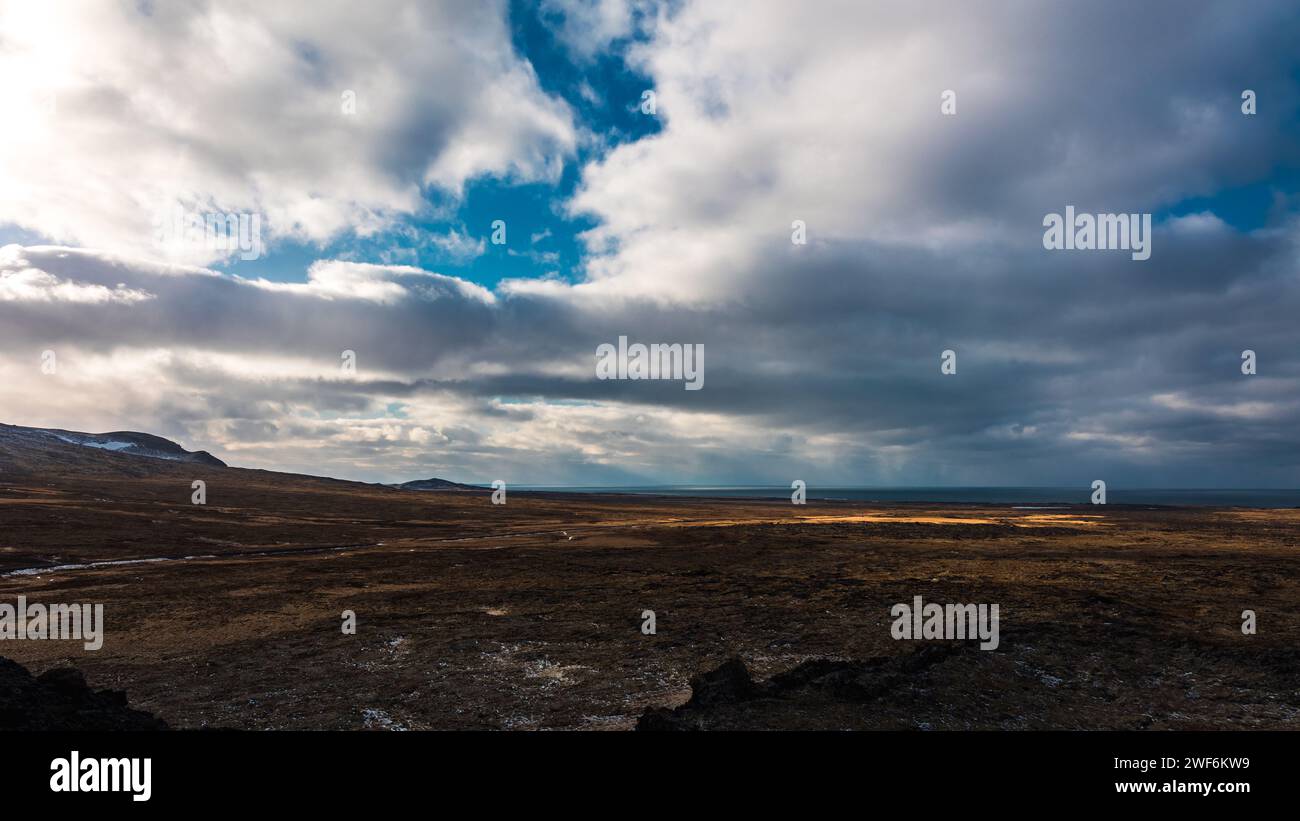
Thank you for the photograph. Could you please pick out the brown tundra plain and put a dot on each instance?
(533, 614)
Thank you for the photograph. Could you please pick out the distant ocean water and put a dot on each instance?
(970, 495)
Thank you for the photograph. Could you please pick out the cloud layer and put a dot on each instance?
(924, 235)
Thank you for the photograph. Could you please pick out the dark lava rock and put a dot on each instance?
(60, 700)
(818, 694)
(729, 684)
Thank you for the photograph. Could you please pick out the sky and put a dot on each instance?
(469, 198)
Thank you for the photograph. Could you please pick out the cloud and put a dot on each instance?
(19, 283)
(1105, 106)
(459, 248)
(589, 27)
(456, 380)
(387, 284)
(822, 359)
(324, 122)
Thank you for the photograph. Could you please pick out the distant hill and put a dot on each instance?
(54, 451)
(435, 484)
(39, 448)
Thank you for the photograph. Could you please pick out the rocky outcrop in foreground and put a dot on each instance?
(60, 700)
(818, 694)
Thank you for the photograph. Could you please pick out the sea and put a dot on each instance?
(1027, 496)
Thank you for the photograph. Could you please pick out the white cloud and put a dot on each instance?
(1201, 223)
(588, 27)
(338, 279)
(238, 107)
(1259, 409)
(830, 113)
(19, 283)
(31, 285)
(459, 248)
